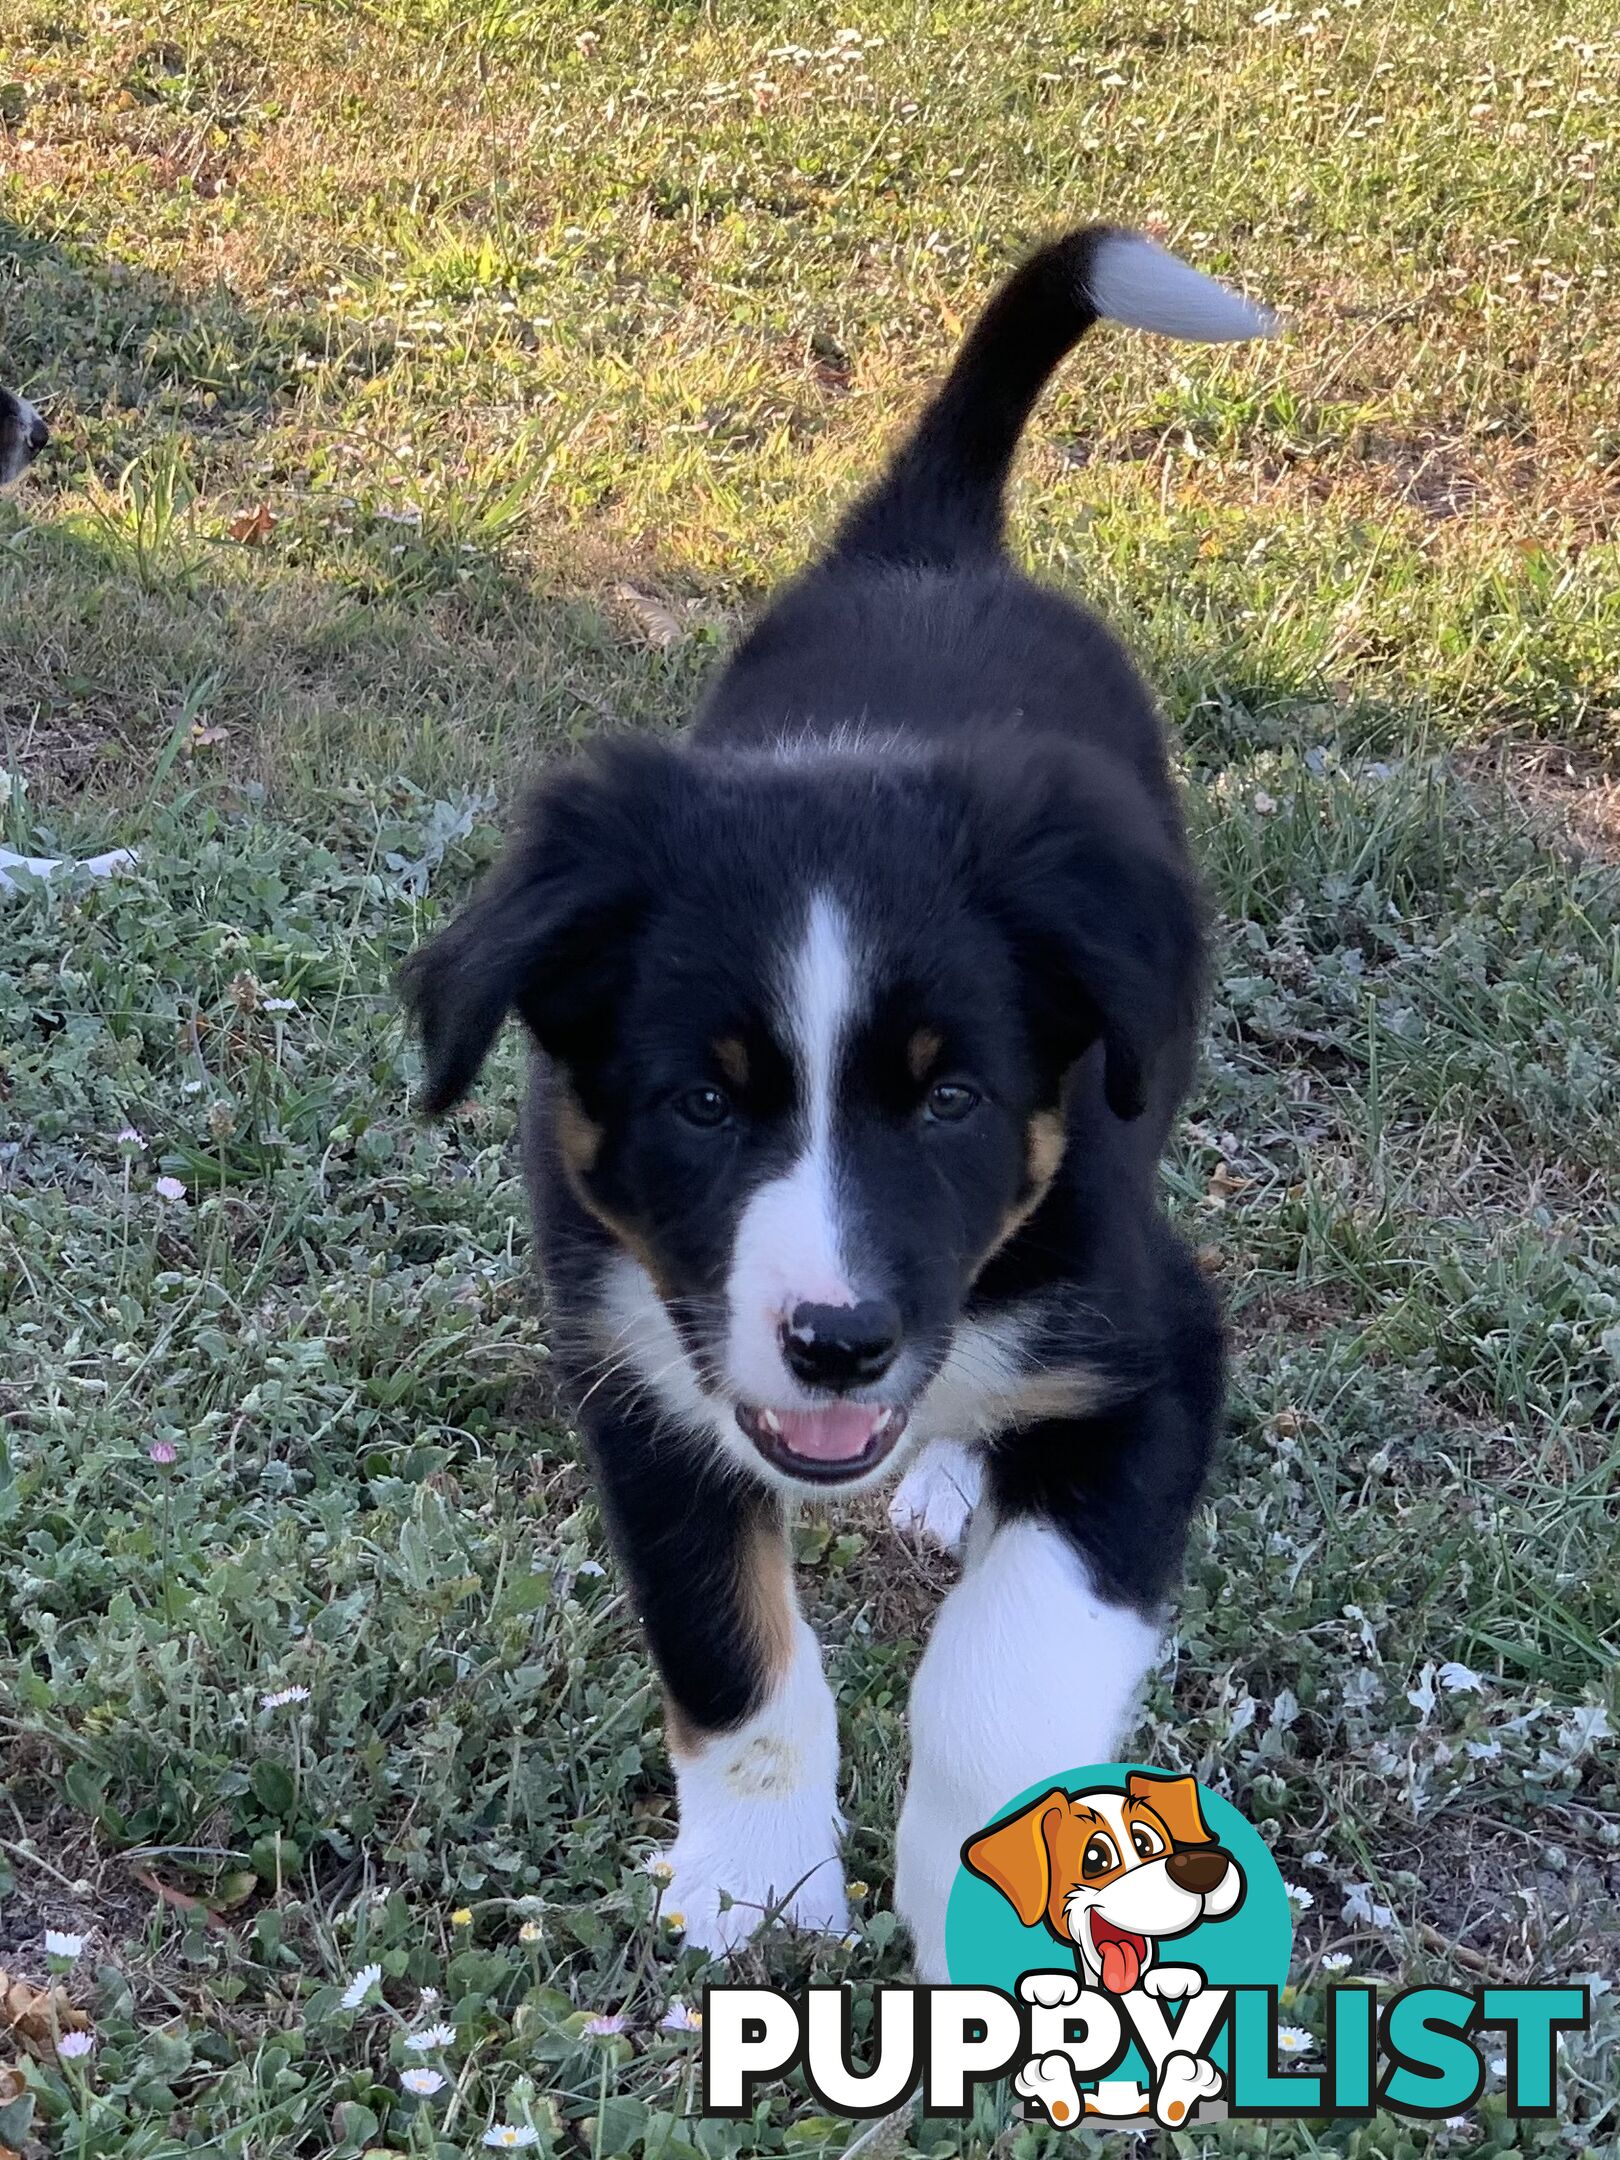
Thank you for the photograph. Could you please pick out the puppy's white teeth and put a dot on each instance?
(771, 1423)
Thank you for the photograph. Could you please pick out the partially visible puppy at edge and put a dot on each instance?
(23, 435)
(860, 1019)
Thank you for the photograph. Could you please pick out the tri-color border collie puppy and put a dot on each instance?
(23, 435)
(861, 1016)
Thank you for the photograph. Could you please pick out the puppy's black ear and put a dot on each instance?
(549, 932)
(1090, 879)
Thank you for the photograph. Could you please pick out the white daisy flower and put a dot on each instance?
(278, 1698)
(511, 2137)
(58, 1945)
(1336, 1961)
(591, 1568)
(279, 1004)
(168, 1188)
(424, 2083)
(428, 1998)
(658, 1868)
(367, 1978)
(1497, 2066)
(1294, 2039)
(607, 2027)
(429, 2038)
(75, 2046)
(530, 1932)
(1299, 1896)
(679, 2018)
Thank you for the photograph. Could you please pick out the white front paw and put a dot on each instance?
(1049, 1990)
(722, 1897)
(1173, 1983)
(933, 1501)
(1185, 2081)
(1049, 2082)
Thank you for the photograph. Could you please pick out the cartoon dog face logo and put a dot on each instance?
(1112, 1874)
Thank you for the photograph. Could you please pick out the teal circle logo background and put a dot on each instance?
(986, 1946)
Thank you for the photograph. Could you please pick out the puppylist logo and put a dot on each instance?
(1117, 1941)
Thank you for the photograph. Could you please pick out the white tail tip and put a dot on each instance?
(1134, 281)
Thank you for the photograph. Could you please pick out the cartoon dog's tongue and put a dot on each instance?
(1121, 1955)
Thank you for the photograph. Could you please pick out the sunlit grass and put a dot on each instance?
(434, 385)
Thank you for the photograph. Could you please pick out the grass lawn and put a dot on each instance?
(436, 382)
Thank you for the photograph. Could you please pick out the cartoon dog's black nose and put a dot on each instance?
(841, 1346)
(1199, 1872)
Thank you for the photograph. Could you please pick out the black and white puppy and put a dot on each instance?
(23, 435)
(862, 1015)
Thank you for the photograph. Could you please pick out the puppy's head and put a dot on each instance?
(23, 434)
(812, 1019)
(1111, 1872)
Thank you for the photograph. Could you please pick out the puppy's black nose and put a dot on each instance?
(841, 1346)
(38, 433)
(1199, 1872)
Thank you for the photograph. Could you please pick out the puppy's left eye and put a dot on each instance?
(705, 1106)
(1148, 1846)
(950, 1100)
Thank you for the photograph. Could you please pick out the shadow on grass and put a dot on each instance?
(352, 632)
(117, 357)
(380, 620)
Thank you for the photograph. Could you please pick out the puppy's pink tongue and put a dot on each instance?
(837, 1434)
(1120, 1966)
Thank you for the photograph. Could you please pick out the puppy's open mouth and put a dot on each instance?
(828, 1446)
(1123, 1954)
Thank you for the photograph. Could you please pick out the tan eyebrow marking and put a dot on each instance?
(922, 1050)
(577, 1136)
(732, 1059)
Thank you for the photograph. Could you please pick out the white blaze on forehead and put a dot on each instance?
(789, 1248)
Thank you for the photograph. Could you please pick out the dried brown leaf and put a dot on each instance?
(253, 527)
(37, 2014)
(182, 1901)
(656, 620)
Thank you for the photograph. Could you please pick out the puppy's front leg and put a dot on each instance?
(752, 1730)
(1038, 1654)
(1030, 1672)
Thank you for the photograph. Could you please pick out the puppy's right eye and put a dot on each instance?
(707, 1107)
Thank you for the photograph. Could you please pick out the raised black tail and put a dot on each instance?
(941, 500)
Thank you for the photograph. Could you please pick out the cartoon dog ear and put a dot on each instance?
(1175, 1801)
(1014, 1858)
(550, 931)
